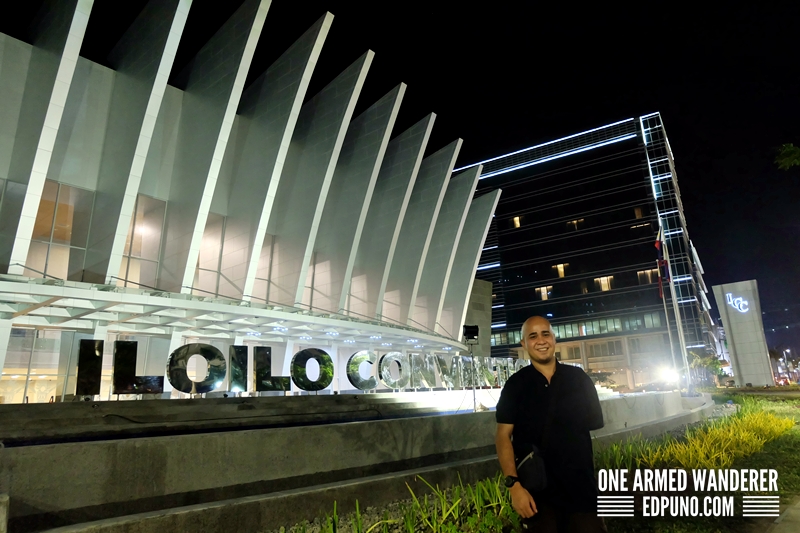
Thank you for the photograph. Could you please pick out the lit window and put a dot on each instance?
(634, 345)
(561, 269)
(584, 288)
(648, 276)
(574, 352)
(656, 320)
(638, 212)
(574, 224)
(544, 292)
(606, 283)
(516, 222)
(60, 232)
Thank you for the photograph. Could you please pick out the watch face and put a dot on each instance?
(510, 480)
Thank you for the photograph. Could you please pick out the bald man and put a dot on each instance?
(568, 503)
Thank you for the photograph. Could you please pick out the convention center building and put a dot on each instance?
(217, 206)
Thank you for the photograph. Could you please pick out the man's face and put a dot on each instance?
(538, 340)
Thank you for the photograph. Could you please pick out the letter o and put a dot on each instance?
(300, 374)
(602, 480)
(179, 359)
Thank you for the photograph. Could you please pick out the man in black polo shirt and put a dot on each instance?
(568, 504)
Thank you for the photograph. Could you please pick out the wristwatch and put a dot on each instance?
(510, 480)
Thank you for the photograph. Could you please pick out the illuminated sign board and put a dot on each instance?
(738, 303)
(393, 370)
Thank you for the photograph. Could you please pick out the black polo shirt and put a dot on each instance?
(525, 402)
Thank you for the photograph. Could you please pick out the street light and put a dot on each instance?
(471, 339)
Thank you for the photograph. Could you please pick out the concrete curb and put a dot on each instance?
(286, 508)
(652, 429)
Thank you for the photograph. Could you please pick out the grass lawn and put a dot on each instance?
(782, 454)
(485, 507)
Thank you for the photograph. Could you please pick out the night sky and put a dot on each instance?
(504, 76)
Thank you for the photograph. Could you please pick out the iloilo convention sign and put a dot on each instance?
(365, 370)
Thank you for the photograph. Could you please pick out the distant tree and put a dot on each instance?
(706, 363)
(601, 378)
(774, 354)
(788, 156)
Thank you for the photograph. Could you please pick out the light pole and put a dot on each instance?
(471, 339)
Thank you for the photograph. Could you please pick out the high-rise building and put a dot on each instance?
(573, 239)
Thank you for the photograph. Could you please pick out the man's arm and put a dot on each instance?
(594, 413)
(521, 499)
(505, 450)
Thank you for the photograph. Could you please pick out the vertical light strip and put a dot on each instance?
(222, 142)
(650, 171)
(145, 136)
(47, 139)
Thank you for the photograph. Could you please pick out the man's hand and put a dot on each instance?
(522, 501)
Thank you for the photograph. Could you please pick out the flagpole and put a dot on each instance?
(678, 320)
(666, 316)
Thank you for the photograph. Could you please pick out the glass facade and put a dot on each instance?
(60, 233)
(29, 375)
(575, 231)
(590, 328)
(139, 267)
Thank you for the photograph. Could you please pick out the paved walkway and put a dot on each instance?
(789, 521)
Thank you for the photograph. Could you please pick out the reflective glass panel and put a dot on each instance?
(37, 259)
(142, 273)
(75, 267)
(58, 261)
(43, 226)
(146, 236)
(73, 213)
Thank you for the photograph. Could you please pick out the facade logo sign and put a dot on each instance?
(411, 371)
(738, 303)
